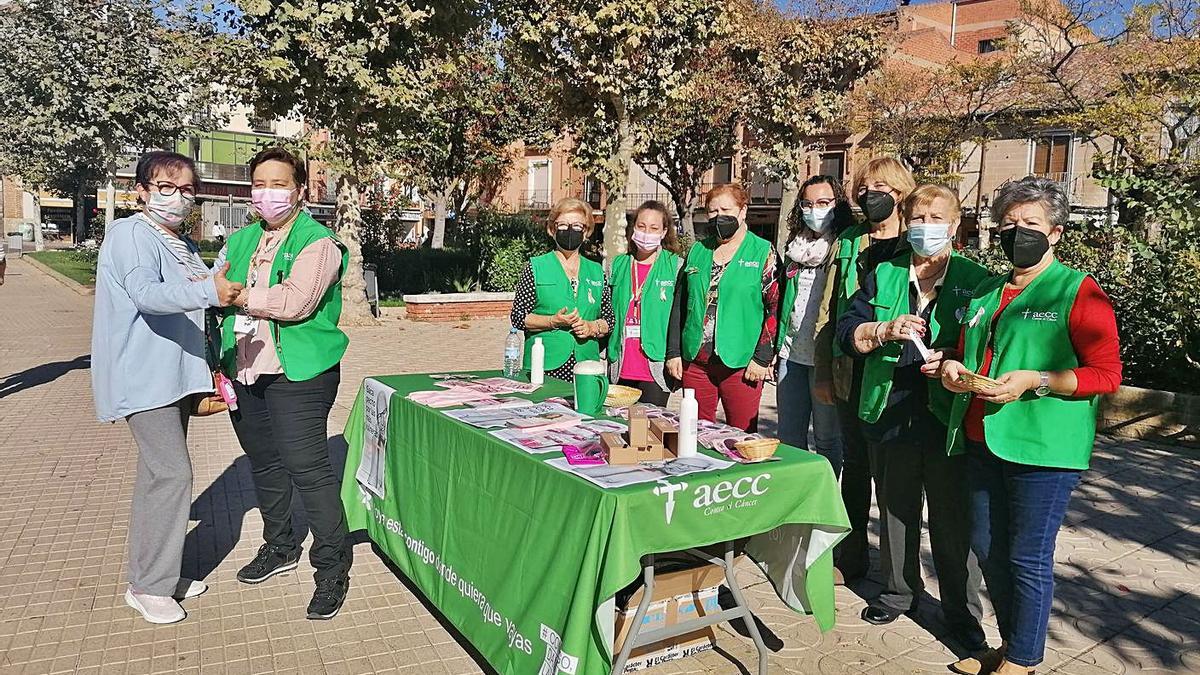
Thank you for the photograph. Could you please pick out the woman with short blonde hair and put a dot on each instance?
(561, 297)
(879, 186)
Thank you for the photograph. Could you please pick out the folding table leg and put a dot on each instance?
(636, 626)
(748, 616)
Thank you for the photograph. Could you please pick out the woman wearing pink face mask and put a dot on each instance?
(282, 348)
(643, 287)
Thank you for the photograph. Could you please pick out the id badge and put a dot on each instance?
(244, 324)
(633, 330)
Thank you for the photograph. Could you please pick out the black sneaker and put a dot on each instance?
(328, 598)
(271, 560)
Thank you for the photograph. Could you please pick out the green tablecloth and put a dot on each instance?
(525, 559)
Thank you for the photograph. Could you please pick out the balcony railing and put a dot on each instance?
(229, 173)
(535, 200)
(234, 173)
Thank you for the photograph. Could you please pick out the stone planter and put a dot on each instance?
(1148, 413)
(457, 306)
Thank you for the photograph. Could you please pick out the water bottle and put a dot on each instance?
(512, 354)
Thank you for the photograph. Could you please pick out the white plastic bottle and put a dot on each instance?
(537, 365)
(689, 414)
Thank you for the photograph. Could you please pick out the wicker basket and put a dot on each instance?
(757, 449)
(620, 396)
(977, 383)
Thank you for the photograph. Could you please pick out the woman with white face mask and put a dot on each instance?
(643, 288)
(282, 348)
(823, 212)
(148, 361)
(911, 301)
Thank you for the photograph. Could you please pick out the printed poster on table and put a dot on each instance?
(372, 465)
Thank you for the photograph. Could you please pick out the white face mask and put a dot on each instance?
(818, 219)
(929, 239)
(168, 210)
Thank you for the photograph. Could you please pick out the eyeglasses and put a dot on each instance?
(820, 203)
(167, 189)
(574, 226)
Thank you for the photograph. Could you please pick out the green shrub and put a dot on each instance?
(209, 245)
(506, 243)
(426, 271)
(1155, 295)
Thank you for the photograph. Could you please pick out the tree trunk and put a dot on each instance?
(440, 201)
(687, 222)
(982, 223)
(39, 241)
(615, 219)
(356, 311)
(110, 196)
(791, 195)
(80, 221)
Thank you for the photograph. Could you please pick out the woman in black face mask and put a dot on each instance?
(1048, 335)
(561, 297)
(721, 334)
(878, 186)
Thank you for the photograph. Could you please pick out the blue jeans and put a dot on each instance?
(1016, 511)
(797, 407)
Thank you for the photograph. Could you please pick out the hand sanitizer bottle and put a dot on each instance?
(537, 366)
(689, 414)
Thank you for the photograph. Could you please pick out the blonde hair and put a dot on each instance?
(886, 169)
(572, 205)
(927, 194)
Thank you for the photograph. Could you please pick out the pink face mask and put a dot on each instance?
(273, 204)
(647, 241)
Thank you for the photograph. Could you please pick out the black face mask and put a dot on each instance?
(569, 239)
(724, 227)
(877, 206)
(1024, 246)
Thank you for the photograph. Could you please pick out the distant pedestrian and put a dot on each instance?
(218, 232)
(148, 360)
(3, 263)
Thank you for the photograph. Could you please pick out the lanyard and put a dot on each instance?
(254, 261)
(638, 287)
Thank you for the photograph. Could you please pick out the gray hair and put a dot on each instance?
(1050, 194)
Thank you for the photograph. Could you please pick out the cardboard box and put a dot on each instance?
(679, 596)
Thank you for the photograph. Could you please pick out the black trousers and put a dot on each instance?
(851, 555)
(651, 392)
(907, 474)
(281, 425)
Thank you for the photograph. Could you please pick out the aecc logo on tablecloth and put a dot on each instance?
(715, 498)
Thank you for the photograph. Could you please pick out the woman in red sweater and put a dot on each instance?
(1048, 335)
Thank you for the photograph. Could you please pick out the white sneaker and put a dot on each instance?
(189, 588)
(155, 608)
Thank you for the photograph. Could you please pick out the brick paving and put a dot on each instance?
(1129, 556)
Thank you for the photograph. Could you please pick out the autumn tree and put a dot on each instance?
(363, 71)
(480, 106)
(608, 68)
(686, 139)
(1129, 83)
(84, 84)
(802, 68)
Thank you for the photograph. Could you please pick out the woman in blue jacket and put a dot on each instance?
(148, 360)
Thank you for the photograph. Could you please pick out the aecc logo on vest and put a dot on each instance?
(1039, 316)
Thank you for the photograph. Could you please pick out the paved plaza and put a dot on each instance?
(1129, 557)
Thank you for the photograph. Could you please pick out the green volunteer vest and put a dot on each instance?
(740, 308)
(308, 347)
(554, 293)
(1031, 334)
(845, 260)
(890, 301)
(657, 295)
